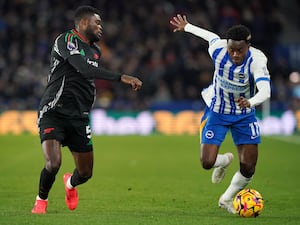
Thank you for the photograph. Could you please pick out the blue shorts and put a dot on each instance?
(214, 126)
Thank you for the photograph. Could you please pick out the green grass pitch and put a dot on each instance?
(147, 180)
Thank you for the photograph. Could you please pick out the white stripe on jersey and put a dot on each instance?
(231, 81)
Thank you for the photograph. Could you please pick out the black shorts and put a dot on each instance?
(74, 133)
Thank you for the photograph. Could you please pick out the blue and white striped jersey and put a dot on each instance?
(231, 81)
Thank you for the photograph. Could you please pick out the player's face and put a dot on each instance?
(94, 29)
(237, 50)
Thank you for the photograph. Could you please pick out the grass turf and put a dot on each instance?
(146, 180)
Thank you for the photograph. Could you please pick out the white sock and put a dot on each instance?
(221, 160)
(38, 198)
(69, 185)
(238, 182)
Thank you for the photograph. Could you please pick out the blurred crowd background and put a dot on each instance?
(138, 40)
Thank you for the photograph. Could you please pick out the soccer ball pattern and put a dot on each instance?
(248, 203)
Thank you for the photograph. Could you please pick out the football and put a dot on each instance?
(248, 203)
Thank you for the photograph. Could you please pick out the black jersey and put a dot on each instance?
(75, 64)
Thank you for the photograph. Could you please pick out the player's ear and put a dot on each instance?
(84, 22)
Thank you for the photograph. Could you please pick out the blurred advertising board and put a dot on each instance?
(185, 122)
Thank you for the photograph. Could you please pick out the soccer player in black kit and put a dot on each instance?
(63, 117)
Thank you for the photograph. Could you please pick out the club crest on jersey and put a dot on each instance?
(96, 56)
(209, 134)
(242, 76)
(48, 130)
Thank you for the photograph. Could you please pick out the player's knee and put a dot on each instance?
(207, 164)
(53, 165)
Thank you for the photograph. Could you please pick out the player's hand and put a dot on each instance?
(243, 102)
(179, 22)
(135, 83)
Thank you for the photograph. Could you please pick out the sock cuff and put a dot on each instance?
(39, 198)
(242, 177)
(69, 185)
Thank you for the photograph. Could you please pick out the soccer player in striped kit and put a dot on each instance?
(240, 70)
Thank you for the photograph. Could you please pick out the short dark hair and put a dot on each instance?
(83, 11)
(239, 33)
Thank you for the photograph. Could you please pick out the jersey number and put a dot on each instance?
(88, 132)
(254, 130)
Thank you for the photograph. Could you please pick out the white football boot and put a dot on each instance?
(219, 172)
(226, 204)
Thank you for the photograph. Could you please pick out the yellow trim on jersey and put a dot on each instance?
(202, 124)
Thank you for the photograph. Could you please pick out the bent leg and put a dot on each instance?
(84, 162)
(248, 157)
(208, 155)
(210, 158)
(81, 174)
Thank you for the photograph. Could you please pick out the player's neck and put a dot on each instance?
(81, 36)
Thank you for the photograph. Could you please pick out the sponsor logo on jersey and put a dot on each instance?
(91, 62)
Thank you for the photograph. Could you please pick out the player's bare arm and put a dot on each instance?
(135, 83)
(179, 22)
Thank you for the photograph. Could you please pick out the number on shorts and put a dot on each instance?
(88, 131)
(254, 130)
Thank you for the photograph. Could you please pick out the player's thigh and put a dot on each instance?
(79, 141)
(79, 136)
(212, 129)
(52, 152)
(246, 131)
(212, 134)
(51, 128)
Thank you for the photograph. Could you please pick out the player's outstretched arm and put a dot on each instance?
(179, 22)
(135, 83)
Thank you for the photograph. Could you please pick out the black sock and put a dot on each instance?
(76, 179)
(46, 181)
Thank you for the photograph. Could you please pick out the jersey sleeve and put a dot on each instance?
(259, 68)
(262, 79)
(200, 32)
(216, 45)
